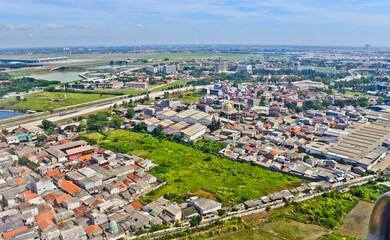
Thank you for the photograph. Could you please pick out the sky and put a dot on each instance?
(66, 23)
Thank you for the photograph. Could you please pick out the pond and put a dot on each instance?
(59, 76)
(8, 114)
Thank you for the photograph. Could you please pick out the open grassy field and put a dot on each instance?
(42, 101)
(353, 93)
(173, 84)
(356, 222)
(187, 169)
(338, 236)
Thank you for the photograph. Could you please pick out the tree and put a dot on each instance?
(140, 126)
(5, 131)
(130, 113)
(195, 220)
(47, 125)
(215, 125)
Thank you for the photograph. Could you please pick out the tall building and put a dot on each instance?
(245, 68)
(151, 69)
(220, 67)
(169, 69)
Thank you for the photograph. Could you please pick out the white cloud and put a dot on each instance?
(17, 27)
(55, 26)
(140, 25)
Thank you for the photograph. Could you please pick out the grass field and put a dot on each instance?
(353, 93)
(42, 101)
(174, 84)
(186, 169)
(356, 222)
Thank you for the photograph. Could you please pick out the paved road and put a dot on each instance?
(104, 106)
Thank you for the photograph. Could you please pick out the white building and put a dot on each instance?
(43, 185)
(245, 68)
(193, 132)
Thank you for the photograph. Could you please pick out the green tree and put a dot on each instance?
(130, 113)
(195, 220)
(47, 125)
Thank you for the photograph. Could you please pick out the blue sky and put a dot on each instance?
(38, 23)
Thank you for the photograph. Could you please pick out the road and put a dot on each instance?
(102, 107)
(242, 213)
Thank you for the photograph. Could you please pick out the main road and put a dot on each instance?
(92, 109)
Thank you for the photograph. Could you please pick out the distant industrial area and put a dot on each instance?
(169, 142)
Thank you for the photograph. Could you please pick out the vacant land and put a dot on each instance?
(281, 229)
(43, 101)
(327, 210)
(356, 222)
(186, 169)
(247, 235)
(337, 236)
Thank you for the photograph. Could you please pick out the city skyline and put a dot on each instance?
(43, 23)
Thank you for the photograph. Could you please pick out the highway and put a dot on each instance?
(92, 109)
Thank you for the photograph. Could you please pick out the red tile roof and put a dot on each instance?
(52, 172)
(70, 187)
(50, 197)
(12, 233)
(19, 180)
(92, 228)
(136, 205)
(62, 198)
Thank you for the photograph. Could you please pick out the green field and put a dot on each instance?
(187, 169)
(337, 236)
(43, 101)
(353, 93)
(169, 85)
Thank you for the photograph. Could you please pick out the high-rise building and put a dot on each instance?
(245, 68)
(169, 69)
(220, 67)
(151, 69)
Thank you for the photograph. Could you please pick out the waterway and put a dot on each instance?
(59, 76)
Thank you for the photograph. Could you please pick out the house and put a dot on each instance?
(12, 222)
(64, 216)
(71, 203)
(40, 186)
(93, 231)
(173, 211)
(205, 206)
(76, 232)
(69, 187)
(96, 217)
(189, 212)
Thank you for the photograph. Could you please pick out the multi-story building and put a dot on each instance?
(220, 67)
(245, 68)
(169, 69)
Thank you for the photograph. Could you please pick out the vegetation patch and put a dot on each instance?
(337, 236)
(42, 101)
(187, 169)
